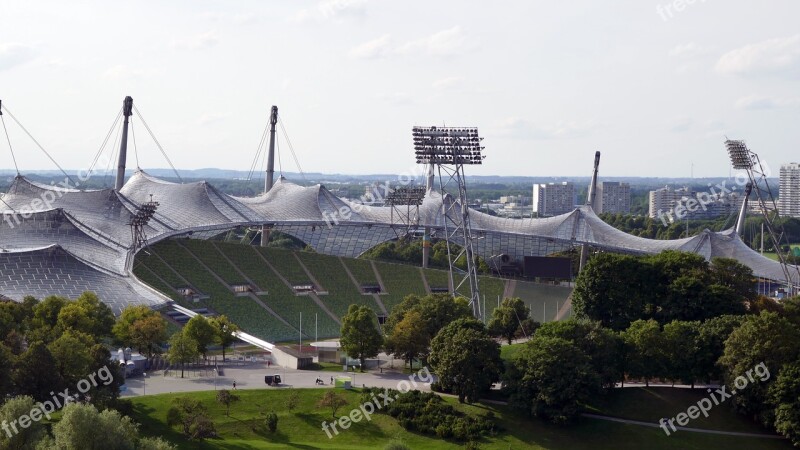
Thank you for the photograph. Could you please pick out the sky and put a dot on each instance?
(656, 86)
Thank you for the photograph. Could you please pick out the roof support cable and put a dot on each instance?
(291, 149)
(144, 122)
(258, 153)
(4, 108)
(105, 141)
(135, 150)
(11, 149)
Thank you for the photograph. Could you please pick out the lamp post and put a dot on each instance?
(144, 381)
(215, 378)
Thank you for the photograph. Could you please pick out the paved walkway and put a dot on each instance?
(251, 376)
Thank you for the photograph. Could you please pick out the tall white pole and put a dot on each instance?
(301, 331)
(316, 335)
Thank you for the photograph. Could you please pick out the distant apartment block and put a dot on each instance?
(552, 199)
(612, 197)
(669, 204)
(789, 190)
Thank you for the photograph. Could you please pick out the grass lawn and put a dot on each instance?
(324, 366)
(508, 352)
(301, 428)
(651, 404)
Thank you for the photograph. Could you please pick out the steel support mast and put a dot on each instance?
(449, 150)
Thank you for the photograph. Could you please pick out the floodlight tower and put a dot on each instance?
(742, 158)
(430, 179)
(405, 202)
(139, 220)
(449, 150)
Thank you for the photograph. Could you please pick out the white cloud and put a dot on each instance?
(757, 102)
(238, 19)
(12, 55)
(688, 51)
(680, 125)
(396, 98)
(333, 10)
(444, 43)
(519, 128)
(448, 83)
(774, 56)
(374, 49)
(121, 71)
(198, 42)
(211, 118)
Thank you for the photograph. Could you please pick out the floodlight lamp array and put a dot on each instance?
(739, 154)
(412, 196)
(143, 214)
(447, 145)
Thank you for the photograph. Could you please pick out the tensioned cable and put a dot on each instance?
(291, 149)
(258, 152)
(39, 145)
(135, 150)
(105, 141)
(114, 150)
(278, 152)
(157, 143)
(13, 158)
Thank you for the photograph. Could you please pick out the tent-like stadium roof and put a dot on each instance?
(60, 241)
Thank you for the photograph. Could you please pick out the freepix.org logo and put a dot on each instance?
(58, 401)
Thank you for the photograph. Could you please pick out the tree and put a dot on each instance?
(224, 332)
(409, 337)
(333, 401)
(550, 378)
(200, 329)
(271, 421)
(87, 314)
(360, 337)
(36, 373)
(182, 349)
(42, 324)
(25, 438)
(72, 355)
(466, 359)
(292, 400)
(225, 397)
(713, 334)
(507, 319)
(644, 346)
(611, 289)
(603, 346)
(148, 334)
(784, 396)
(731, 273)
(683, 351)
(767, 339)
(192, 416)
(83, 427)
(142, 328)
(6, 366)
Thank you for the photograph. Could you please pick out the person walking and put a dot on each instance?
(331, 380)
(234, 385)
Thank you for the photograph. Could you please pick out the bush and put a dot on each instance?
(427, 413)
(394, 445)
(271, 421)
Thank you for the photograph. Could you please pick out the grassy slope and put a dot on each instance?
(301, 428)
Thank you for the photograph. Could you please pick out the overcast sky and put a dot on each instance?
(655, 88)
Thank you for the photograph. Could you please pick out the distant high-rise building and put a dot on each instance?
(612, 197)
(552, 199)
(789, 190)
(669, 204)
